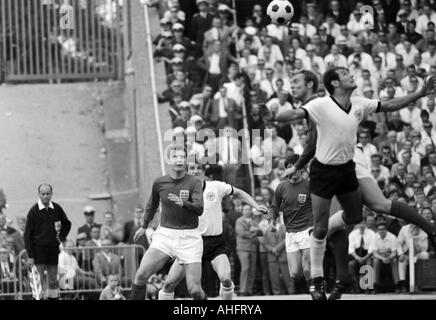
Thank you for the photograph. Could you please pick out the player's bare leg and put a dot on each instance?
(321, 208)
(175, 276)
(376, 201)
(152, 261)
(221, 265)
(193, 280)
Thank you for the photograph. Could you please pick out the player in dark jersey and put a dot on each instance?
(371, 195)
(211, 229)
(181, 199)
(293, 198)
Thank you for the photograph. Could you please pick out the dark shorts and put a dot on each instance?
(213, 246)
(327, 181)
(46, 255)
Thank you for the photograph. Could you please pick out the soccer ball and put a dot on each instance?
(280, 11)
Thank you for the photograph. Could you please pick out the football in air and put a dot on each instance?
(280, 11)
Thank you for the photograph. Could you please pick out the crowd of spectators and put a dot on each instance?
(221, 72)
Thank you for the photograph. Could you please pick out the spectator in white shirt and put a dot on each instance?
(235, 89)
(376, 163)
(335, 59)
(407, 148)
(365, 59)
(429, 104)
(429, 182)
(312, 61)
(417, 60)
(410, 233)
(280, 103)
(384, 250)
(427, 15)
(278, 144)
(367, 80)
(276, 53)
(388, 58)
(411, 115)
(247, 61)
(332, 27)
(429, 57)
(411, 83)
(359, 241)
(378, 71)
(418, 144)
(407, 50)
(390, 85)
(267, 84)
(428, 134)
(305, 29)
(300, 53)
(368, 148)
(277, 31)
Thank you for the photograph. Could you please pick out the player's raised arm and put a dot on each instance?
(400, 103)
(291, 115)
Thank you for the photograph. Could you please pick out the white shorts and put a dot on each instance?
(184, 245)
(296, 241)
(362, 167)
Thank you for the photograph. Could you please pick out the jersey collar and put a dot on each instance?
(337, 103)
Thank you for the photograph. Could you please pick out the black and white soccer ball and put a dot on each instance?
(280, 11)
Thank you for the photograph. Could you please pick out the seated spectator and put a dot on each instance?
(112, 290)
(428, 214)
(85, 256)
(89, 213)
(358, 249)
(383, 248)
(72, 276)
(410, 233)
(8, 278)
(106, 263)
(4, 226)
(18, 236)
(111, 229)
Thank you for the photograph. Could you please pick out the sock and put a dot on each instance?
(138, 292)
(403, 211)
(317, 249)
(165, 295)
(336, 222)
(339, 245)
(226, 293)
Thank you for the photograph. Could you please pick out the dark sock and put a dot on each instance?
(403, 211)
(138, 292)
(339, 245)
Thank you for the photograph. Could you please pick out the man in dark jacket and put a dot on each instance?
(89, 213)
(47, 226)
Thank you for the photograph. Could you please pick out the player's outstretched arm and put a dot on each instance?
(400, 103)
(291, 115)
(246, 198)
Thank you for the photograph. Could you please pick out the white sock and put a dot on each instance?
(227, 293)
(165, 296)
(336, 222)
(317, 249)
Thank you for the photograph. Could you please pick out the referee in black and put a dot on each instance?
(47, 226)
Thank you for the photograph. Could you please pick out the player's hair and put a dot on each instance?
(309, 76)
(291, 160)
(176, 147)
(214, 172)
(329, 76)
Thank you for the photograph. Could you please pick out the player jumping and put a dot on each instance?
(333, 171)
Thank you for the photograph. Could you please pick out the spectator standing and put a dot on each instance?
(47, 226)
(246, 246)
(89, 213)
(111, 229)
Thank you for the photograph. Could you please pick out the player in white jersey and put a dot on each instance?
(211, 229)
(332, 172)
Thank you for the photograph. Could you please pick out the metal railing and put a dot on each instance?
(90, 276)
(9, 283)
(56, 40)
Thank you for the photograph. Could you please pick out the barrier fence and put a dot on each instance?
(82, 272)
(55, 40)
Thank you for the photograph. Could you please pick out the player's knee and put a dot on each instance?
(169, 287)
(141, 277)
(195, 292)
(380, 207)
(227, 283)
(320, 232)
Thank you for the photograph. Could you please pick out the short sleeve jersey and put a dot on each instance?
(337, 127)
(211, 221)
